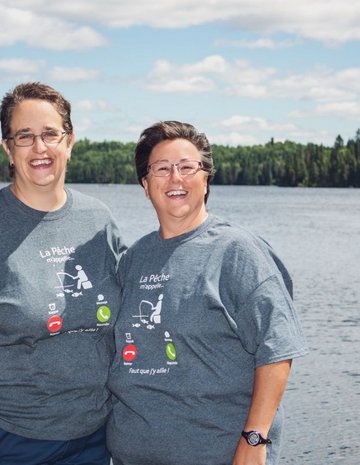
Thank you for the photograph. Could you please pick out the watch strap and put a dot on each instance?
(254, 438)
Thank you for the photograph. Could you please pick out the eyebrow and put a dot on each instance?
(46, 128)
(23, 130)
(182, 159)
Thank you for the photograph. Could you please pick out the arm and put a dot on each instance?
(269, 386)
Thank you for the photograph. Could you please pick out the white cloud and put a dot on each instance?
(211, 73)
(44, 31)
(188, 85)
(339, 109)
(240, 78)
(234, 139)
(166, 77)
(252, 130)
(215, 64)
(22, 66)
(245, 130)
(83, 125)
(64, 74)
(319, 85)
(254, 123)
(91, 105)
(266, 43)
(331, 21)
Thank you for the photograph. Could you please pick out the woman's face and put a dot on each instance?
(175, 198)
(39, 165)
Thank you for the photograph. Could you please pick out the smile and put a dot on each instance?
(45, 161)
(176, 193)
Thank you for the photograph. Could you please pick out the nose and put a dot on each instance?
(39, 145)
(174, 173)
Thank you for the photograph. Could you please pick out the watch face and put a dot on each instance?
(254, 438)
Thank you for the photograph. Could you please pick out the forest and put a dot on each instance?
(274, 163)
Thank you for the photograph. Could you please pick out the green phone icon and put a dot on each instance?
(103, 314)
(170, 351)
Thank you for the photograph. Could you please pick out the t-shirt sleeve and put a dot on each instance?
(116, 245)
(121, 271)
(268, 324)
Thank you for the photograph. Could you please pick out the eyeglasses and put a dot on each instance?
(185, 168)
(27, 139)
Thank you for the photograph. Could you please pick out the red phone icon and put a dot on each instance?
(54, 323)
(129, 352)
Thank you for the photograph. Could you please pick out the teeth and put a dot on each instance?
(174, 193)
(45, 161)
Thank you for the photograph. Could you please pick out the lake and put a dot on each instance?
(317, 234)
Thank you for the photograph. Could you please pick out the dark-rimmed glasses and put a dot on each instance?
(185, 168)
(27, 139)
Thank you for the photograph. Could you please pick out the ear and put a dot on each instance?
(70, 144)
(205, 184)
(7, 150)
(146, 186)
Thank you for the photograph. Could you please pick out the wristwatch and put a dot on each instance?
(254, 438)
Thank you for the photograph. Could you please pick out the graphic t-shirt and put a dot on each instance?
(59, 299)
(199, 313)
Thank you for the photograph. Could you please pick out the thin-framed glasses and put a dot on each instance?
(185, 168)
(27, 139)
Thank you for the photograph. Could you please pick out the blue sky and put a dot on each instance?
(242, 71)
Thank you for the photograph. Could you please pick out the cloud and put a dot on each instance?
(64, 74)
(254, 123)
(329, 21)
(240, 78)
(83, 125)
(189, 78)
(211, 73)
(319, 85)
(234, 139)
(21, 66)
(339, 109)
(91, 105)
(44, 31)
(245, 130)
(252, 130)
(188, 85)
(265, 43)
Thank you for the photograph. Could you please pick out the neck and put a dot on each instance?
(176, 226)
(41, 199)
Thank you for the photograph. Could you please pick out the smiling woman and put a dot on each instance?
(38, 146)
(177, 192)
(57, 305)
(204, 353)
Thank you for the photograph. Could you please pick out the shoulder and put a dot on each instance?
(85, 201)
(4, 191)
(235, 237)
(135, 254)
(144, 243)
(245, 253)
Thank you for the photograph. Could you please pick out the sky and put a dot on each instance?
(242, 71)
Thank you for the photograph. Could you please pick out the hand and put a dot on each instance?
(249, 455)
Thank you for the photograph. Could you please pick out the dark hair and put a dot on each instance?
(36, 91)
(171, 130)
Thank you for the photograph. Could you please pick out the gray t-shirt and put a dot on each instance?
(59, 299)
(199, 313)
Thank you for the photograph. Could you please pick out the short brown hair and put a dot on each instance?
(171, 130)
(33, 90)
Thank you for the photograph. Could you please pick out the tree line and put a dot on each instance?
(274, 163)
